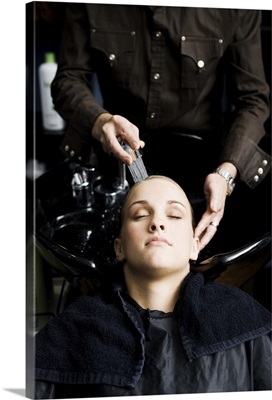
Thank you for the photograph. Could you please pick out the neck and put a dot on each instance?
(154, 294)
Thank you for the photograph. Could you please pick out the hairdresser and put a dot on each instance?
(166, 74)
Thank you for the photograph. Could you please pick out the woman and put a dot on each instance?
(156, 327)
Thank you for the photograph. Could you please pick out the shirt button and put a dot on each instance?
(66, 148)
(72, 153)
(183, 38)
(153, 115)
(133, 33)
(158, 34)
(112, 57)
(260, 171)
(156, 76)
(200, 64)
(220, 41)
(256, 178)
(265, 162)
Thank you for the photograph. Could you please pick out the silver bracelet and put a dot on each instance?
(227, 176)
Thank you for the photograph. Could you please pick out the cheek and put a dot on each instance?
(131, 238)
(184, 238)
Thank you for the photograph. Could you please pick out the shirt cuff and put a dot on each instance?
(252, 162)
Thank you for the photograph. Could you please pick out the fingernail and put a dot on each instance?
(128, 161)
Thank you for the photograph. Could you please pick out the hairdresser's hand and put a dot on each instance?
(111, 130)
(215, 189)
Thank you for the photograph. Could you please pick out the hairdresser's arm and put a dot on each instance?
(215, 189)
(74, 98)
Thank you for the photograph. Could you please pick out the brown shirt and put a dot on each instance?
(166, 68)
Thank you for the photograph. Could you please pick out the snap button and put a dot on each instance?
(152, 115)
(260, 171)
(156, 76)
(93, 30)
(200, 64)
(72, 153)
(133, 33)
(66, 148)
(220, 41)
(112, 57)
(265, 162)
(256, 178)
(158, 34)
(183, 38)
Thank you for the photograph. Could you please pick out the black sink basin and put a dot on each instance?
(75, 241)
(87, 233)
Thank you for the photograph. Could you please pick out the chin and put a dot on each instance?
(164, 268)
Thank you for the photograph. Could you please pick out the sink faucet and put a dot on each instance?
(106, 193)
(88, 188)
(82, 185)
(121, 182)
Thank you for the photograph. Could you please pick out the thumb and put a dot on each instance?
(214, 203)
(212, 199)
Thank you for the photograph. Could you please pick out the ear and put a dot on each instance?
(119, 249)
(195, 249)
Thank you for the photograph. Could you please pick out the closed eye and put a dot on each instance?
(140, 216)
(174, 216)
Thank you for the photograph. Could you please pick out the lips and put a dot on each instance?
(157, 240)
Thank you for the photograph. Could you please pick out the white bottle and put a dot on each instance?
(51, 120)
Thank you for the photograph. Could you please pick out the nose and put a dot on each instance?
(159, 227)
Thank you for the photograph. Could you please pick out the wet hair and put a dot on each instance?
(122, 211)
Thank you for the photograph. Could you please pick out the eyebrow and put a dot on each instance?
(145, 202)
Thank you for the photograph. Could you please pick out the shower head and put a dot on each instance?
(137, 168)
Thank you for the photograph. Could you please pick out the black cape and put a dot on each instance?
(100, 339)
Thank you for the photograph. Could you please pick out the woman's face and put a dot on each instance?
(157, 233)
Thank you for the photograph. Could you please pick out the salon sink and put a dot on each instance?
(76, 239)
(85, 232)
(79, 243)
